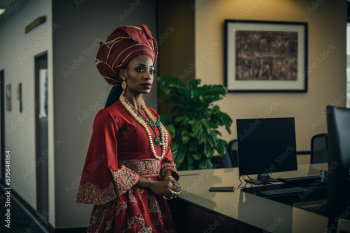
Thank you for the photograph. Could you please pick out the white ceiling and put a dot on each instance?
(4, 4)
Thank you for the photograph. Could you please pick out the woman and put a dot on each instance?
(129, 172)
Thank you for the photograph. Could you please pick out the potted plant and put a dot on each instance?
(194, 123)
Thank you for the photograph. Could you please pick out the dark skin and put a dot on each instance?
(138, 71)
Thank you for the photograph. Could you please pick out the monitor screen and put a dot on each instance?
(266, 145)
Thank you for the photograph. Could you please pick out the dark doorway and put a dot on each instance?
(41, 135)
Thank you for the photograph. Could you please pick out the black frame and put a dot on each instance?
(228, 21)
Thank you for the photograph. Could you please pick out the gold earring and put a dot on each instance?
(123, 86)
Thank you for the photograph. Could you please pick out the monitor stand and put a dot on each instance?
(262, 179)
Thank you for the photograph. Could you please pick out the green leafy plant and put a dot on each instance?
(194, 123)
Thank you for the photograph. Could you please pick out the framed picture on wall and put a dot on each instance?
(265, 56)
(19, 95)
(8, 97)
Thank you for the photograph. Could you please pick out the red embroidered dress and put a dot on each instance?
(119, 154)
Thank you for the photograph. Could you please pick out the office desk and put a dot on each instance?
(198, 210)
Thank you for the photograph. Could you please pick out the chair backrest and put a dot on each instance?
(319, 149)
(338, 144)
(230, 158)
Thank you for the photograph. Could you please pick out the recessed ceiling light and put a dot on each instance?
(2, 11)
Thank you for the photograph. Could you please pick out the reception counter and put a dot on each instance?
(198, 210)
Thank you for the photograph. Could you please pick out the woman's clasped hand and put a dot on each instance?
(169, 188)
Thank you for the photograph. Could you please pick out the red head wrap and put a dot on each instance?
(121, 46)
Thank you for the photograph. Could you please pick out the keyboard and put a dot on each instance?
(283, 191)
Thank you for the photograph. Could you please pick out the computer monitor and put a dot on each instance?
(338, 125)
(266, 145)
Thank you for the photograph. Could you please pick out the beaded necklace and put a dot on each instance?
(140, 118)
(157, 140)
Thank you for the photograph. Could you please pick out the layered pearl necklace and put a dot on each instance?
(155, 122)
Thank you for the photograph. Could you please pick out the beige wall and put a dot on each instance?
(176, 29)
(326, 83)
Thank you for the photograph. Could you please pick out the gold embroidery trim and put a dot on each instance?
(129, 53)
(143, 167)
(99, 61)
(111, 41)
(111, 79)
(135, 27)
(111, 45)
(89, 193)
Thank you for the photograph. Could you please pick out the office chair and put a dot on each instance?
(230, 158)
(318, 149)
(338, 124)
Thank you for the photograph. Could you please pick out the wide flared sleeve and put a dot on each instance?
(169, 164)
(168, 161)
(103, 179)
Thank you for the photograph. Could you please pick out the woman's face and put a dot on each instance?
(139, 73)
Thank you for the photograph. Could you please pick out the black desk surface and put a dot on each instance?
(275, 214)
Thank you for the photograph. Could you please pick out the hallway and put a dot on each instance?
(21, 221)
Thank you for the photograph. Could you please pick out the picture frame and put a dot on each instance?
(19, 91)
(19, 95)
(8, 97)
(265, 56)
